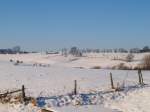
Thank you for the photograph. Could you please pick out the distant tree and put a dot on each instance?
(109, 50)
(122, 50)
(96, 50)
(75, 51)
(88, 50)
(115, 50)
(16, 49)
(146, 49)
(135, 50)
(64, 52)
(84, 51)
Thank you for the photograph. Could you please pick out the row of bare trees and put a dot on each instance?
(78, 52)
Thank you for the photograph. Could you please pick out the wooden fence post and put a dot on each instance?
(111, 80)
(141, 81)
(75, 87)
(139, 74)
(23, 94)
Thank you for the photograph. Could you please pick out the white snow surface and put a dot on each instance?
(56, 74)
(136, 101)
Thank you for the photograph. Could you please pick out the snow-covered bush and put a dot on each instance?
(129, 57)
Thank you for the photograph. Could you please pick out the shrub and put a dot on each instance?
(17, 62)
(11, 60)
(130, 57)
(96, 67)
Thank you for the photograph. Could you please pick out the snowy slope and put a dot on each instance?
(104, 60)
(136, 101)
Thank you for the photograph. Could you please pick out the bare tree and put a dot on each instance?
(16, 49)
(64, 52)
(75, 51)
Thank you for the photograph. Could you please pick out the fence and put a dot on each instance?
(24, 98)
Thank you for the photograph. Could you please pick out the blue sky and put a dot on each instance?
(53, 24)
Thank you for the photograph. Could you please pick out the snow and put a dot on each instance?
(104, 60)
(94, 108)
(55, 81)
(136, 101)
(22, 108)
(18, 108)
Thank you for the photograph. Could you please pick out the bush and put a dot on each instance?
(11, 60)
(130, 57)
(75, 52)
(18, 62)
(96, 67)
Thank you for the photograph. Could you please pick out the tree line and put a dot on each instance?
(75, 51)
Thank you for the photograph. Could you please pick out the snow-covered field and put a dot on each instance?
(52, 76)
(104, 60)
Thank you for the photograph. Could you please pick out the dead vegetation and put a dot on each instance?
(129, 57)
(17, 62)
(15, 96)
(96, 67)
(145, 63)
(44, 110)
(121, 66)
